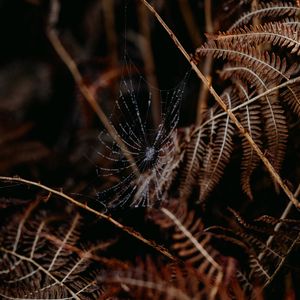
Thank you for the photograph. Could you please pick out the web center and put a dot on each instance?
(149, 153)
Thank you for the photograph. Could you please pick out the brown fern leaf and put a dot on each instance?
(251, 121)
(192, 161)
(263, 261)
(275, 126)
(263, 83)
(263, 63)
(274, 33)
(254, 269)
(292, 21)
(290, 99)
(276, 132)
(190, 242)
(266, 256)
(218, 153)
(33, 267)
(189, 227)
(253, 70)
(194, 154)
(147, 281)
(269, 9)
(264, 226)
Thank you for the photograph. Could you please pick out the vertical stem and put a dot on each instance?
(70, 63)
(109, 22)
(190, 23)
(203, 93)
(146, 50)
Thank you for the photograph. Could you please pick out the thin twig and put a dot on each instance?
(110, 28)
(112, 40)
(233, 118)
(88, 254)
(126, 229)
(70, 63)
(146, 50)
(203, 94)
(190, 22)
(251, 100)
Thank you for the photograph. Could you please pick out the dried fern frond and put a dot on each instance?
(192, 160)
(218, 152)
(265, 258)
(254, 69)
(276, 33)
(264, 63)
(251, 121)
(274, 125)
(290, 99)
(207, 152)
(34, 266)
(190, 242)
(267, 9)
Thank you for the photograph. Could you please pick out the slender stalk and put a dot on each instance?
(71, 65)
(124, 228)
(251, 100)
(146, 50)
(203, 94)
(189, 19)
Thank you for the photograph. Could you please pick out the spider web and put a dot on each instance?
(152, 148)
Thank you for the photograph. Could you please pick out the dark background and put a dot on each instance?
(49, 133)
